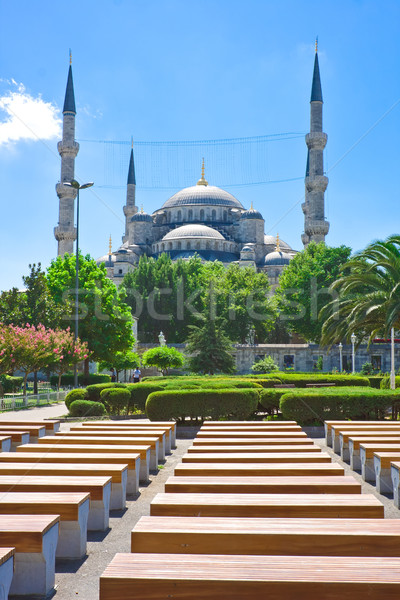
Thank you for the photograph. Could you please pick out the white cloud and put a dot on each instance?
(26, 117)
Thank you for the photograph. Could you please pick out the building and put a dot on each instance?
(202, 219)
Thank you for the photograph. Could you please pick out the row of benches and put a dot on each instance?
(265, 517)
(53, 491)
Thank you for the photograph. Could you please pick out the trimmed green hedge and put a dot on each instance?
(10, 384)
(78, 394)
(309, 407)
(375, 381)
(302, 380)
(178, 405)
(67, 380)
(270, 399)
(93, 391)
(385, 383)
(139, 393)
(115, 399)
(86, 408)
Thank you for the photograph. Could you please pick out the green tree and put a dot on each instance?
(121, 361)
(368, 295)
(163, 358)
(105, 320)
(304, 287)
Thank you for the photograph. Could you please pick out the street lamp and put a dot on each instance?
(353, 356)
(75, 184)
(341, 357)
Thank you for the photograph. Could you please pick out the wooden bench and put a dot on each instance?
(99, 489)
(263, 485)
(256, 428)
(84, 460)
(35, 540)
(118, 474)
(127, 428)
(319, 385)
(284, 385)
(266, 457)
(5, 443)
(6, 569)
(122, 435)
(254, 449)
(249, 423)
(355, 442)
(367, 452)
(198, 576)
(386, 477)
(354, 429)
(73, 509)
(50, 425)
(254, 441)
(251, 434)
(328, 426)
(35, 431)
(138, 424)
(95, 440)
(139, 454)
(258, 469)
(334, 506)
(282, 537)
(344, 437)
(395, 473)
(16, 439)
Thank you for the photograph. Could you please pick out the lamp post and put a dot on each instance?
(392, 371)
(341, 357)
(75, 184)
(353, 356)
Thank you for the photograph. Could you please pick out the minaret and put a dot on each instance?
(130, 207)
(315, 225)
(68, 148)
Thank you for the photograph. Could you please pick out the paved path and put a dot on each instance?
(53, 411)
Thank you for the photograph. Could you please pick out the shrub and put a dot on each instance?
(178, 405)
(301, 380)
(375, 381)
(86, 408)
(367, 369)
(115, 399)
(139, 393)
(10, 384)
(315, 406)
(78, 394)
(93, 391)
(266, 365)
(163, 358)
(385, 383)
(67, 379)
(270, 398)
(268, 383)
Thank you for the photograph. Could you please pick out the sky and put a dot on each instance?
(181, 70)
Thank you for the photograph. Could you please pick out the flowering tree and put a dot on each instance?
(5, 350)
(66, 351)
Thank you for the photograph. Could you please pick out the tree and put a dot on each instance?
(163, 358)
(105, 320)
(67, 352)
(121, 361)
(304, 287)
(368, 295)
(266, 365)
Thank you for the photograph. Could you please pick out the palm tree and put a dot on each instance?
(367, 299)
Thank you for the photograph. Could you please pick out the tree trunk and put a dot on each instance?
(24, 387)
(35, 383)
(59, 381)
(86, 370)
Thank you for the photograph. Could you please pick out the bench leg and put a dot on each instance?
(345, 452)
(154, 458)
(161, 449)
(73, 535)
(355, 460)
(118, 493)
(396, 484)
(7, 446)
(132, 484)
(383, 481)
(168, 442)
(99, 512)
(144, 472)
(368, 470)
(34, 573)
(336, 444)
(6, 576)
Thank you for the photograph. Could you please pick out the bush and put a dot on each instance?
(375, 381)
(93, 391)
(270, 398)
(178, 405)
(139, 393)
(301, 380)
(266, 365)
(315, 406)
(367, 369)
(86, 408)
(67, 380)
(385, 383)
(268, 383)
(78, 394)
(115, 399)
(10, 384)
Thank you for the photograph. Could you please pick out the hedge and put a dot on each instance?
(139, 393)
(375, 381)
(67, 380)
(385, 383)
(10, 384)
(301, 380)
(115, 399)
(270, 398)
(93, 391)
(78, 394)
(315, 406)
(217, 404)
(86, 408)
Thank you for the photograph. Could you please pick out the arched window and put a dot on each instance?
(162, 247)
(188, 246)
(197, 245)
(224, 246)
(190, 215)
(215, 245)
(208, 246)
(225, 216)
(179, 245)
(214, 215)
(179, 216)
(169, 245)
(201, 215)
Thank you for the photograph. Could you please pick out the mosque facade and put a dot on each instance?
(203, 219)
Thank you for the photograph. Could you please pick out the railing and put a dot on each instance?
(17, 402)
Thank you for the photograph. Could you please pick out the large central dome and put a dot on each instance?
(203, 194)
(196, 231)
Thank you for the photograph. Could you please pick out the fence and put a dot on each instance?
(18, 402)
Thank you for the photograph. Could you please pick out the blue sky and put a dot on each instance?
(187, 70)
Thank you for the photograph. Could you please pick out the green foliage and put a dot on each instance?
(139, 393)
(67, 379)
(268, 383)
(315, 406)
(105, 321)
(304, 287)
(115, 399)
(266, 365)
(385, 382)
(93, 392)
(301, 380)
(121, 361)
(367, 369)
(270, 398)
(193, 404)
(86, 408)
(163, 358)
(320, 363)
(375, 381)
(77, 394)
(11, 384)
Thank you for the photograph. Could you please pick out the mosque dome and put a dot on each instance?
(209, 195)
(247, 249)
(107, 259)
(142, 216)
(193, 231)
(270, 240)
(277, 258)
(251, 214)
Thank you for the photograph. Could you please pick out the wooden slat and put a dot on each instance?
(85, 448)
(370, 449)
(258, 469)
(48, 423)
(248, 423)
(34, 430)
(80, 457)
(16, 436)
(54, 483)
(5, 554)
(248, 449)
(123, 435)
(267, 457)
(367, 433)
(374, 440)
(250, 434)
(255, 441)
(268, 505)
(255, 428)
(98, 440)
(25, 532)
(109, 470)
(65, 504)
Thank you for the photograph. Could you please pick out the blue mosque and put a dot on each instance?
(202, 219)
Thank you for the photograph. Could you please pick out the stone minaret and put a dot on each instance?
(315, 225)
(130, 207)
(65, 232)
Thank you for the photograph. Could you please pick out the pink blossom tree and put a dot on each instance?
(66, 352)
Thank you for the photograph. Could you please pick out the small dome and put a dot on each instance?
(107, 259)
(142, 216)
(247, 249)
(209, 195)
(270, 240)
(193, 231)
(251, 214)
(277, 258)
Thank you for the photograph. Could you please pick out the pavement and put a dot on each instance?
(53, 411)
